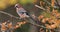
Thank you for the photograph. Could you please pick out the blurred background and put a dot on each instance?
(29, 5)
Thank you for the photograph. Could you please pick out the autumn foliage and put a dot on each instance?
(49, 17)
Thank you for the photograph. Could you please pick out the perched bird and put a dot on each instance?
(21, 11)
(23, 14)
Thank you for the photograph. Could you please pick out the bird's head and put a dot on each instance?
(18, 5)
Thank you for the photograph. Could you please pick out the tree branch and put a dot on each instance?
(40, 7)
(26, 21)
(10, 15)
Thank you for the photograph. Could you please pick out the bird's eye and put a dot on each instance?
(17, 6)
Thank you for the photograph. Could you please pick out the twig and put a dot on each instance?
(27, 21)
(58, 4)
(40, 7)
(50, 4)
(10, 15)
(17, 17)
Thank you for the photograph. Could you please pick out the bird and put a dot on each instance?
(21, 11)
(24, 14)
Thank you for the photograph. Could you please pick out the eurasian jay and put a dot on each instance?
(24, 14)
(21, 11)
